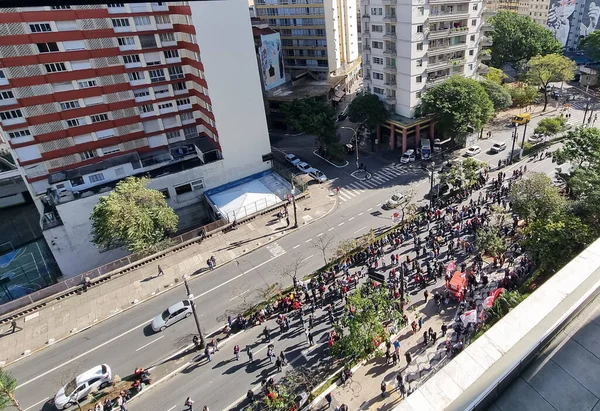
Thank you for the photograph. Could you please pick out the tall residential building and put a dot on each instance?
(536, 9)
(318, 36)
(92, 94)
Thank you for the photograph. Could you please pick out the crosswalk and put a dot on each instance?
(386, 174)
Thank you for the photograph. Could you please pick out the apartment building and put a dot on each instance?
(536, 9)
(91, 94)
(318, 36)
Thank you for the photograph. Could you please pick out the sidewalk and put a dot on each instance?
(60, 319)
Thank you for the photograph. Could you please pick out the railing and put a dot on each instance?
(389, 35)
(389, 17)
(448, 13)
(389, 51)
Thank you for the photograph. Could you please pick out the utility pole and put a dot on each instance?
(431, 185)
(294, 203)
(523, 140)
(191, 298)
(514, 136)
(355, 135)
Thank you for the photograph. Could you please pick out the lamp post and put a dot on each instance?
(514, 136)
(294, 202)
(431, 182)
(193, 304)
(355, 132)
(523, 140)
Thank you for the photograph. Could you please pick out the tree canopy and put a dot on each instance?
(369, 109)
(516, 39)
(133, 216)
(551, 126)
(542, 70)
(458, 104)
(499, 95)
(495, 75)
(591, 45)
(580, 146)
(313, 117)
(535, 198)
(523, 95)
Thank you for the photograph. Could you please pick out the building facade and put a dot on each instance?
(92, 94)
(537, 10)
(409, 46)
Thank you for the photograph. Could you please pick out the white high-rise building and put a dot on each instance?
(409, 46)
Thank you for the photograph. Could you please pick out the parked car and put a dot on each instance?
(536, 138)
(394, 201)
(350, 148)
(317, 175)
(498, 147)
(472, 151)
(292, 159)
(342, 116)
(171, 315)
(79, 387)
(408, 157)
(304, 167)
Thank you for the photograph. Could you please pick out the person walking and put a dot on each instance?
(329, 399)
(426, 294)
(311, 341)
(408, 358)
(287, 221)
(420, 322)
(398, 380)
(383, 387)
(444, 329)
(278, 364)
(236, 352)
(205, 408)
(207, 353)
(215, 345)
(160, 271)
(282, 357)
(13, 324)
(121, 403)
(189, 403)
(250, 355)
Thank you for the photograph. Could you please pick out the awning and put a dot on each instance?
(339, 95)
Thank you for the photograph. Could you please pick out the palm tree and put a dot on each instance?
(8, 384)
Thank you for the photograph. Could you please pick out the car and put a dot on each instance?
(317, 175)
(350, 148)
(498, 147)
(343, 115)
(304, 167)
(171, 315)
(292, 159)
(408, 156)
(79, 387)
(536, 138)
(473, 151)
(395, 201)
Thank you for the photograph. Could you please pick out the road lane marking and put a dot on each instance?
(369, 209)
(330, 229)
(341, 224)
(378, 205)
(309, 240)
(320, 234)
(360, 229)
(37, 403)
(296, 246)
(238, 296)
(151, 342)
(359, 214)
(351, 218)
(307, 258)
(91, 350)
(172, 408)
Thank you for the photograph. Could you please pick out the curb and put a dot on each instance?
(333, 164)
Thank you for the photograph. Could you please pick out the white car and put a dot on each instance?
(292, 159)
(77, 389)
(318, 175)
(498, 147)
(304, 167)
(394, 201)
(536, 138)
(408, 156)
(473, 151)
(171, 315)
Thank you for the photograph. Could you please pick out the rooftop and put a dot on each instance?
(304, 88)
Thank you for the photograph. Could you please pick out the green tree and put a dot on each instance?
(133, 216)
(523, 95)
(488, 240)
(542, 70)
(369, 110)
(458, 104)
(516, 39)
(502, 305)
(580, 146)
(591, 45)
(8, 385)
(535, 198)
(312, 117)
(495, 75)
(551, 126)
(499, 95)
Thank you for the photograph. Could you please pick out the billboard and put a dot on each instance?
(271, 60)
(560, 19)
(563, 21)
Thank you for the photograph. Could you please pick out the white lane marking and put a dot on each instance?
(340, 224)
(309, 240)
(330, 229)
(91, 350)
(369, 209)
(378, 205)
(151, 342)
(351, 218)
(238, 296)
(172, 408)
(37, 403)
(320, 234)
(360, 229)
(359, 214)
(343, 199)
(296, 246)
(307, 258)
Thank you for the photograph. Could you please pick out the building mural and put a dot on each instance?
(271, 61)
(571, 20)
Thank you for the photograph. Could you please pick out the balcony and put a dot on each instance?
(390, 35)
(448, 15)
(390, 99)
(485, 55)
(390, 82)
(438, 34)
(389, 2)
(485, 42)
(365, 17)
(389, 52)
(445, 48)
(488, 27)
(390, 17)
(489, 12)
(388, 68)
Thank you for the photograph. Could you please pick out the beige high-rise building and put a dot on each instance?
(536, 9)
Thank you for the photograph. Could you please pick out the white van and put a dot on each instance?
(408, 156)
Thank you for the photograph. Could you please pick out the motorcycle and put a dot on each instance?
(142, 375)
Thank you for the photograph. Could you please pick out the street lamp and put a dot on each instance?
(294, 202)
(523, 140)
(193, 304)
(431, 187)
(355, 132)
(514, 137)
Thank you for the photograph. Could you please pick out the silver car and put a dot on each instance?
(171, 315)
(77, 389)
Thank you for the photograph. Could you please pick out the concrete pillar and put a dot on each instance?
(431, 130)
(403, 140)
(392, 137)
(418, 135)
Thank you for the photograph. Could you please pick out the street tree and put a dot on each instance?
(523, 95)
(590, 44)
(132, 215)
(459, 105)
(502, 305)
(499, 95)
(323, 244)
(345, 247)
(535, 198)
(406, 205)
(551, 126)
(516, 39)
(495, 75)
(8, 385)
(369, 110)
(581, 146)
(292, 267)
(489, 241)
(542, 70)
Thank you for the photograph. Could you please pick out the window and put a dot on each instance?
(190, 131)
(55, 67)
(378, 90)
(161, 90)
(377, 28)
(69, 105)
(81, 65)
(93, 101)
(66, 25)
(7, 115)
(157, 75)
(19, 133)
(136, 75)
(120, 22)
(419, 79)
(162, 19)
(418, 94)
(171, 54)
(165, 105)
(74, 45)
(47, 47)
(183, 101)
(471, 52)
(74, 122)
(86, 155)
(40, 27)
(419, 63)
(141, 93)
(94, 178)
(470, 67)
(148, 41)
(6, 95)
(116, 5)
(182, 189)
(472, 37)
(420, 28)
(473, 23)
(141, 20)
(109, 150)
(131, 58)
(165, 192)
(60, 7)
(377, 76)
(147, 108)
(186, 116)
(120, 171)
(419, 46)
(86, 83)
(179, 86)
(173, 134)
(175, 72)
(164, 37)
(475, 7)
(2, 75)
(377, 60)
(421, 10)
(97, 118)
(126, 41)
(376, 11)
(197, 184)
(377, 44)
